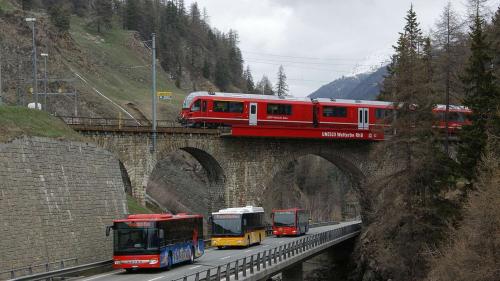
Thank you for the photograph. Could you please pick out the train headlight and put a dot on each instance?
(118, 262)
(153, 261)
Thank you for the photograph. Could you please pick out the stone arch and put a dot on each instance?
(347, 163)
(216, 179)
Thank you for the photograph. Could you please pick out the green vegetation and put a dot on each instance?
(17, 121)
(121, 69)
(6, 6)
(135, 208)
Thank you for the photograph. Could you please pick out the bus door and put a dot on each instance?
(252, 116)
(363, 119)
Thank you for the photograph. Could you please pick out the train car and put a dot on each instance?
(458, 116)
(290, 222)
(352, 114)
(156, 240)
(238, 226)
(205, 109)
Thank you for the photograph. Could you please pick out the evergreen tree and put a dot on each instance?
(481, 97)
(60, 17)
(264, 87)
(27, 5)
(281, 85)
(206, 70)
(247, 75)
(102, 14)
(222, 77)
(132, 15)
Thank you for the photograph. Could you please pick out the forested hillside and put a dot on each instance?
(102, 50)
(438, 217)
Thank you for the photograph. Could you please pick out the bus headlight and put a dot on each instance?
(153, 261)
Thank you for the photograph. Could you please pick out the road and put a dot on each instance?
(213, 257)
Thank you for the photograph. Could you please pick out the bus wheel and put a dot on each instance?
(191, 258)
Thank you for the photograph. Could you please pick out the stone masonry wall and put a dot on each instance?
(56, 199)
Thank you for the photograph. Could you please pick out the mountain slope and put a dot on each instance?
(364, 86)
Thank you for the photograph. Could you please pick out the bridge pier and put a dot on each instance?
(294, 273)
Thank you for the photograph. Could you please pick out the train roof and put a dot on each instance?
(240, 210)
(157, 217)
(193, 95)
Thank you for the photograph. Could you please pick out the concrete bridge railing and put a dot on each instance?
(262, 265)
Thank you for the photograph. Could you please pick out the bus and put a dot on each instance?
(290, 222)
(238, 226)
(156, 240)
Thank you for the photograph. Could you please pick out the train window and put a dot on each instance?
(204, 106)
(196, 106)
(279, 109)
(334, 111)
(228, 106)
(253, 109)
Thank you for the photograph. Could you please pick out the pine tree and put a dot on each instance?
(264, 87)
(27, 5)
(60, 17)
(247, 75)
(281, 85)
(222, 77)
(481, 97)
(132, 15)
(103, 13)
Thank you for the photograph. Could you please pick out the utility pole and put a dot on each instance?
(45, 55)
(153, 92)
(35, 90)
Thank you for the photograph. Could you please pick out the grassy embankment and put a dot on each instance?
(119, 66)
(17, 121)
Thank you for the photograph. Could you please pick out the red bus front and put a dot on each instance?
(290, 222)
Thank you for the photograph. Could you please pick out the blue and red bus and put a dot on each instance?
(290, 222)
(156, 240)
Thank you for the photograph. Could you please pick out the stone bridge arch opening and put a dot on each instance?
(327, 185)
(187, 179)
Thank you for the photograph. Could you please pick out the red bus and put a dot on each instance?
(156, 240)
(290, 222)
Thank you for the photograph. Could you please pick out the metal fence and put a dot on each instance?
(116, 122)
(261, 261)
(37, 268)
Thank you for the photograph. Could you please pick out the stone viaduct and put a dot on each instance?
(239, 169)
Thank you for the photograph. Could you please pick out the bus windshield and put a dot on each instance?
(226, 224)
(135, 237)
(284, 219)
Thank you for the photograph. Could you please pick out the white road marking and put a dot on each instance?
(248, 251)
(159, 277)
(195, 267)
(265, 246)
(281, 242)
(225, 258)
(99, 276)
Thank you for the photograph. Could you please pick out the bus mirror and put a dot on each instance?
(161, 234)
(108, 229)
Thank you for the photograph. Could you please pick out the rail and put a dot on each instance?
(30, 269)
(117, 122)
(276, 258)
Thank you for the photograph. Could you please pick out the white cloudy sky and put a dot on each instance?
(318, 41)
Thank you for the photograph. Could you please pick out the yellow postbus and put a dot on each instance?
(238, 226)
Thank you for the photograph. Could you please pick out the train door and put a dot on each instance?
(252, 116)
(363, 119)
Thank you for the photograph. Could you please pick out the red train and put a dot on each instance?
(272, 116)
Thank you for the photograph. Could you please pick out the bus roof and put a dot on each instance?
(157, 217)
(240, 210)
